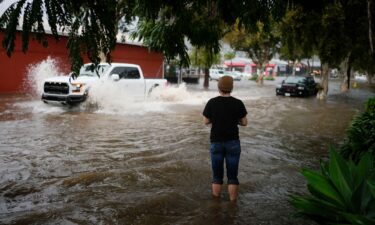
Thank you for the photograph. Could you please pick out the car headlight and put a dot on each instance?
(301, 88)
(77, 87)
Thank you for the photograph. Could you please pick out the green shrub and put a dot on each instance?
(361, 134)
(269, 78)
(342, 193)
(370, 105)
(254, 77)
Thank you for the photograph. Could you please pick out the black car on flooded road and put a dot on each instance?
(297, 86)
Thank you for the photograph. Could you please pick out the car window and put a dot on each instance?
(295, 80)
(126, 72)
(91, 71)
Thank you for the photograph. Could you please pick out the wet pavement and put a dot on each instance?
(116, 162)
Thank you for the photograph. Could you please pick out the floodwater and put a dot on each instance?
(111, 161)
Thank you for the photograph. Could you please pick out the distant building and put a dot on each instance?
(247, 66)
(281, 66)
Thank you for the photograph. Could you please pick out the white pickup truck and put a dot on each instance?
(70, 90)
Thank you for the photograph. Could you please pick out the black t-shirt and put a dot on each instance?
(224, 114)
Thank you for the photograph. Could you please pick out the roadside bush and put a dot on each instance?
(361, 134)
(254, 77)
(341, 193)
(269, 78)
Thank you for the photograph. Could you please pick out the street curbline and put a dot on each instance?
(225, 113)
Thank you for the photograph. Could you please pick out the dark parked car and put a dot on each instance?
(297, 86)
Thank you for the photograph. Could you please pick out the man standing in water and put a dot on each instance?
(225, 113)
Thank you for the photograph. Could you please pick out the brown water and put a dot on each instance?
(148, 163)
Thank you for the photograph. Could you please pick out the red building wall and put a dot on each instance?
(13, 70)
(151, 62)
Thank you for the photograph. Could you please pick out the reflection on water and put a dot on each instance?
(148, 162)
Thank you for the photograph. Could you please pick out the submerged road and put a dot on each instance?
(116, 162)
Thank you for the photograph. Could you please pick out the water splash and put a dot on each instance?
(176, 93)
(107, 97)
(110, 98)
(37, 73)
(181, 95)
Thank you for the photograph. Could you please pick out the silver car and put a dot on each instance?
(215, 74)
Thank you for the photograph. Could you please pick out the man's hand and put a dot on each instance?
(206, 121)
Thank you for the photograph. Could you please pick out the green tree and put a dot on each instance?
(202, 58)
(260, 44)
(363, 53)
(337, 31)
(229, 55)
(164, 25)
(168, 33)
(296, 38)
(90, 32)
(306, 29)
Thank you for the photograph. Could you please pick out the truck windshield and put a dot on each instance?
(90, 71)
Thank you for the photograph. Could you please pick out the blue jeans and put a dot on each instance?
(230, 152)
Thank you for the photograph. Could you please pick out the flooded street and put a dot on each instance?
(148, 162)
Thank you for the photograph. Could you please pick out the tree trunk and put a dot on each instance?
(179, 79)
(294, 68)
(349, 72)
(343, 74)
(260, 76)
(344, 84)
(206, 77)
(262, 68)
(369, 18)
(308, 66)
(322, 94)
(369, 78)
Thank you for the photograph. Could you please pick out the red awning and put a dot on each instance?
(232, 64)
(242, 64)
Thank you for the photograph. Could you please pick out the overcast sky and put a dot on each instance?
(5, 4)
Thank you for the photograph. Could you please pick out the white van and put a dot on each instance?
(215, 74)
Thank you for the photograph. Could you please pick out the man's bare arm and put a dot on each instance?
(206, 120)
(243, 121)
